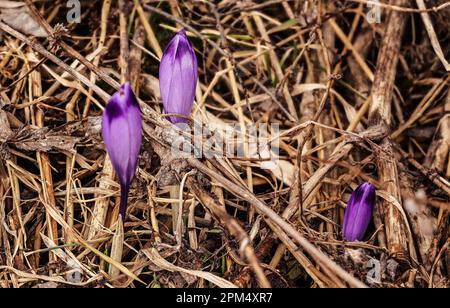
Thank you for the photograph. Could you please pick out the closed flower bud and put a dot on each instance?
(178, 77)
(122, 134)
(358, 213)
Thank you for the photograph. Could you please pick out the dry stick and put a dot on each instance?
(237, 100)
(426, 102)
(29, 111)
(438, 180)
(315, 180)
(329, 280)
(179, 227)
(304, 138)
(36, 66)
(361, 44)
(136, 56)
(41, 49)
(175, 195)
(44, 164)
(321, 279)
(70, 162)
(307, 111)
(174, 8)
(276, 65)
(348, 44)
(117, 248)
(380, 115)
(210, 203)
(101, 43)
(54, 213)
(101, 205)
(327, 39)
(8, 55)
(304, 51)
(432, 35)
(434, 255)
(437, 157)
(402, 8)
(17, 224)
(148, 28)
(68, 49)
(151, 204)
(270, 215)
(10, 181)
(76, 66)
(419, 214)
(231, 224)
(193, 240)
(360, 81)
(297, 190)
(124, 48)
(444, 250)
(355, 25)
(6, 244)
(243, 278)
(307, 106)
(235, 91)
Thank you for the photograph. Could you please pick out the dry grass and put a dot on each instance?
(355, 101)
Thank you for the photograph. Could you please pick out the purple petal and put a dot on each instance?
(122, 134)
(358, 213)
(135, 129)
(178, 77)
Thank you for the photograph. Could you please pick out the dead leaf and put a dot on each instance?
(63, 138)
(5, 129)
(43, 140)
(16, 15)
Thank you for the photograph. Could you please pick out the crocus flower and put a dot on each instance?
(122, 133)
(359, 212)
(178, 77)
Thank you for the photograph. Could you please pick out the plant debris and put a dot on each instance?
(357, 93)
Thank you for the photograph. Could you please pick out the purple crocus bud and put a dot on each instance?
(358, 213)
(178, 77)
(122, 133)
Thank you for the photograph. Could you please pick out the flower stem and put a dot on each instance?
(124, 189)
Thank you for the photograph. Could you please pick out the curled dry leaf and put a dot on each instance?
(43, 140)
(5, 130)
(63, 138)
